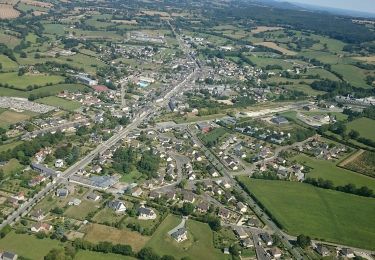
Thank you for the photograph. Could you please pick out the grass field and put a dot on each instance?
(12, 166)
(21, 82)
(97, 233)
(364, 126)
(6, 147)
(199, 243)
(352, 74)
(304, 88)
(329, 171)
(7, 64)
(60, 102)
(28, 245)
(322, 214)
(214, 135)
(82, 211)
(363, 162)
(48, 90)
(9, 117)
(84, 255)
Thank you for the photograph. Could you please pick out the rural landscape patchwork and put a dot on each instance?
(186, 130)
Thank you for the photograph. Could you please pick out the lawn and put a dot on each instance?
(364, 126)
(329, 171)
(84, 255)
(80, 212)
(199, 243)
(214, 135)
(323, 214)
(28, 245)
(97, 233)
(22, 82)
(68, 105)
(107, 215)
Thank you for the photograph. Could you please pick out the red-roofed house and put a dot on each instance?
(100, 88)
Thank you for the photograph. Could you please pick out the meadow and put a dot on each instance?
(84, 255)
(199, 243)
(9, 117)
(321, 214)
(352, 74)
(329, 171)
(22, 82)
(364, 126)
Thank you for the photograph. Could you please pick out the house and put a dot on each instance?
(266, 239)
(137, 192)
(204, 127)
(154, 195)
(19, 196)
(240, 232)
(41, 227)
(226, 251)
(203, 207)
(59, 163)
(322, 250)
(241, 207)
(146, 213)
(171, 195)
(276, 252)
(117, 206)
(226, 184)
(279, 120)
(224, 213)
(180, 235)
(93, 196)
(74, 202)
(347, 252)
(62, 193)
(8, 256)
(96, 169)
(38, 215)
(188, 197)
(247, 242)
(36, 180)
(213, 172)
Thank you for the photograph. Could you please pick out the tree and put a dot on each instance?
(353, 134)
(234, 250)
(214, 223)
(187, 208)
(168, 257)
(148, 253)
(303, 241)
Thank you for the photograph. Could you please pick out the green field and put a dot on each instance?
(60, 102)
(11, 167)
(48, 90)
(199, 243)
(21, 82)
(7, 64)
(84, 255)
(352, 74)
(80, 212)
(214, 135)
(364, 126)
(323, 214)
(6, 147)
(28, 245)
(329, 171)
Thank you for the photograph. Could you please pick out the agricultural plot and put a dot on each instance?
(199, 243)
(68, 105)
(8, 12)
(96, 233)
(329, 171)
(364, 126)
(323, 214)
(7, 64)
(362, 162)
(276, 47)
(22, 82)
(304, 88)
(9, 117)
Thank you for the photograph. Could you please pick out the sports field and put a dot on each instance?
(322, 214)
(60, 102)
(364, 126)
(199, 243)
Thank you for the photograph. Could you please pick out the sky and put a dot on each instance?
(356, 5)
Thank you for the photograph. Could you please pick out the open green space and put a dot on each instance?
(329, 171)
(364, 126)
(48, 90)
(6, 147)
(60, 102)
(7, 64)
(199, 243)
(84, 255)
(12, 166)
(28, 245)
(213, 136)
(80, 212)
(22, 82)
(352, 74)
(323, 214)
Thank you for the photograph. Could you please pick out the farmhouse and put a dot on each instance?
(180, 235)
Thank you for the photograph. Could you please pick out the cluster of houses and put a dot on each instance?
(283, 170)
(320, 149)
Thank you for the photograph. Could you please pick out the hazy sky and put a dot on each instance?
(357, 5)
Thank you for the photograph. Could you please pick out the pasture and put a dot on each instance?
(61, 103)
(364, 126)
(352, 74)
(7, 64)
(322, 214)
(9, 117)
(276, 47)
(84, 255)
(329, 171)
(199, 243)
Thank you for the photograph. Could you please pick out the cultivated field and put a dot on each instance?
(8, 12)
(274, 46)
(37, 3)
(363, 162)
(322, 214)
(97, 233)
(199, 243)
(366, 59)
(260, 29)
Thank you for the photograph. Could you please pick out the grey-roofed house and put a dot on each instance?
(279, 120)
(146, 213)
(62, 193)
(180, 234)
(43, 170)
(266, 239)
(8, 256)
(117, 206)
